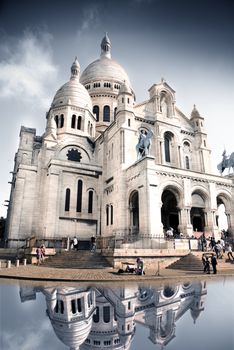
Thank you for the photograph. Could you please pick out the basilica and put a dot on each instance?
(98, 318)
(108, 165)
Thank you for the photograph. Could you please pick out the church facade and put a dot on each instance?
(109, 166)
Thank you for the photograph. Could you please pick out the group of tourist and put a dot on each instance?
(74, 244)
(219, 247)
(40, 254)
(208, 260)
(137, 268)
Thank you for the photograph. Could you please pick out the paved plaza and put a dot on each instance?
(41, 273)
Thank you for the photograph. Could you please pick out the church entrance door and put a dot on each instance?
(134, 213)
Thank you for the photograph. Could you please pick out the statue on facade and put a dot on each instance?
(144, 143)
(227, 162)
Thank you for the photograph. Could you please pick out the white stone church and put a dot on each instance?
(109, 165)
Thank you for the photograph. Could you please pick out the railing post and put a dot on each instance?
(25, 262)
(8, 264)
(17, 263)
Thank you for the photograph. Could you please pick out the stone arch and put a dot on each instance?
(62, 152)
(165, 104)
(134, 212)
(171, 202)
(223, 211)
(199, 204)
(187, 154)
(168, 139)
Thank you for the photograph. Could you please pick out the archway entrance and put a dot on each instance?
(221, 218)
(169, 211)
(134, 213)
(197, 213)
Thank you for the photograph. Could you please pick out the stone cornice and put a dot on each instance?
(196, 179)
(187, 132)
(140, 119)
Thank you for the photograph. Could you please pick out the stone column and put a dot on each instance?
(162, 152)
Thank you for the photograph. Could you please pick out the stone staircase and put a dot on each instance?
(81, 259)
(189, 262)
(193, 262)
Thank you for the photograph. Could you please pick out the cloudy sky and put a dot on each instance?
(188, 43)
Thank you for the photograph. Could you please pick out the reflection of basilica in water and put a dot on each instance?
(101, 318)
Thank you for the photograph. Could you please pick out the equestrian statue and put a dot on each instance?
(227, 162)
(144, 143)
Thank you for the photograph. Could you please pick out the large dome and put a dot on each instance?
(105, 68)
(73, 92)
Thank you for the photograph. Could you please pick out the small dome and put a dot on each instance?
(73, 92)
(125, 89)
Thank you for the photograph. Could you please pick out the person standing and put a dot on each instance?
(75, 243)
(43, 252)
(207, 266)
(93, 244)
(214, 263)
(229, 252)
(38, 255)
(204, 262)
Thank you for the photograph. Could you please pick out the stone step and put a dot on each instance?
(77, 260)
(189, 262)
(193, 262)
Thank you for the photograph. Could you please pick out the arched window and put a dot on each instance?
(106, 113)
(61, 121)
(73, 121)
(67, 199)
(107, 215)
(106, 314)
(167, 149)
(56, 120)
(115, 111)
(96, 315)
(90, 202)
(73, 306)
(79, 123)
(111, 214)
(79, 197)
(79, 305)
(187, 162)
(59, 308)
(96, 112)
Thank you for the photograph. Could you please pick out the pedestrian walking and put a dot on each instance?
(214, 263)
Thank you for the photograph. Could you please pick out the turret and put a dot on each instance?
(201, 141)
(125, 98)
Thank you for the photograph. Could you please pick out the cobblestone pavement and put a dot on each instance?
(40, 273)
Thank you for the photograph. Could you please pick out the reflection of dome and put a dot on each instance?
(72, 334)
(71, 314)
(73, 92)
(105, 68)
